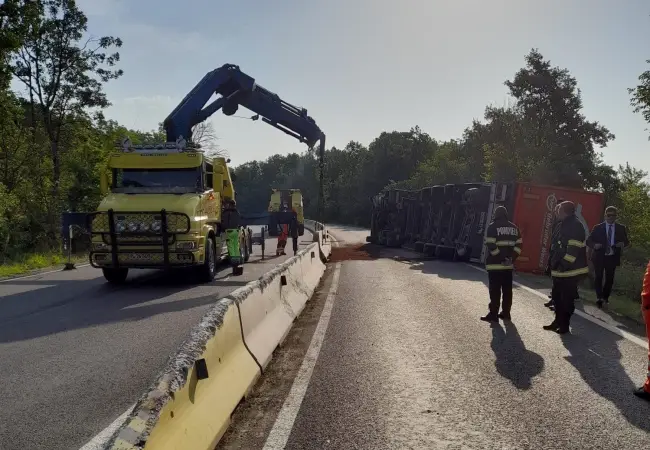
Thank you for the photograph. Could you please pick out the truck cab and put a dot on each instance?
(285, 204)
(162, 209)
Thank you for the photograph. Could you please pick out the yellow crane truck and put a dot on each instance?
(169, 205)
(166, 206)
(284, 204)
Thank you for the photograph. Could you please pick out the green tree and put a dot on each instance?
(559, 135)
(63, 76)
(640, 95)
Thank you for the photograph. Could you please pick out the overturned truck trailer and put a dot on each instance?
(449, 221)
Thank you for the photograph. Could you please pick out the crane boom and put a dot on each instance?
(237, 88)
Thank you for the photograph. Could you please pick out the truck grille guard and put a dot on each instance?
(141, 228)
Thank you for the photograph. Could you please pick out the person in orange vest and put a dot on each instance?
(283, 236)
(644, 391)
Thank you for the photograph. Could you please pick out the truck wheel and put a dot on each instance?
(208, 270)
(115, 276)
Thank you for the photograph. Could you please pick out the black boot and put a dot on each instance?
(642, 393)
(490, 318)
(505, 316)
(549, 303)
(553, 326)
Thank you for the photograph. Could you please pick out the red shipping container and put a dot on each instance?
(533, 214)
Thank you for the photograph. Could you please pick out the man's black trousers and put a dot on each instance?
(565, 293)
(500, 283)
(606, 267)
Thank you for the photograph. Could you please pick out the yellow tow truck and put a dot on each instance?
(284, 204)
(166, 206)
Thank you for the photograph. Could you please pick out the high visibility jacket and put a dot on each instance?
(503, 241)
(569, 258)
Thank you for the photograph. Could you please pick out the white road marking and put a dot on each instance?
(38, 274)
(629, 336)
(100, 440)
(281, 430)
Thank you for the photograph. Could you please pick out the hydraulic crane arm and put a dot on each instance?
(237, 88)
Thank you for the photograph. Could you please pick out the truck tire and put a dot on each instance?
(115, 276)
(208, 270)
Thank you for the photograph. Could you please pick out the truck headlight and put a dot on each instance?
(156, 225)
(186, 245)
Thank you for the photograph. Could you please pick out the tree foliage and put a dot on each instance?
(640, 95)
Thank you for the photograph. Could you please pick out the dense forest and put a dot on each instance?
(54, 139)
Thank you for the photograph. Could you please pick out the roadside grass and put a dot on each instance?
(37, 261)
(627, 281)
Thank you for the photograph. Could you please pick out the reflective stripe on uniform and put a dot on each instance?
(520, 241)
(569, 258)
(518, 250)
(498, 267)
(506, 243)
(576, 243)
(495, 252)
(490, 240)
(569, 273)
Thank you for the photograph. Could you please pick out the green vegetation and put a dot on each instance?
(54, 141)
(34, 262)
(619, 304)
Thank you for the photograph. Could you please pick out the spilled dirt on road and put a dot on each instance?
(354, 252)
(370, 252)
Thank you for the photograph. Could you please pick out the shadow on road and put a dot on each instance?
(513, 360)
(602, 370)
(103, 304)
(45, 307)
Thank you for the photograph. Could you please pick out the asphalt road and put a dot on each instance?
(407, 364)
(75, 353)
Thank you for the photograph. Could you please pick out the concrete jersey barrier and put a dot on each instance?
(321, 235)
(191, 401)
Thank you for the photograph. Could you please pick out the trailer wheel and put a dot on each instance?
(208, 270)
(115, 276)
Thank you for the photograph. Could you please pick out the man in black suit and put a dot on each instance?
(607, 240)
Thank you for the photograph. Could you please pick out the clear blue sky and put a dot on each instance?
(364, 66)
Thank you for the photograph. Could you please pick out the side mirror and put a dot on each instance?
(103, 182)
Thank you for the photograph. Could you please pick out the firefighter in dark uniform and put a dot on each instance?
(568, 266)
(503, 241)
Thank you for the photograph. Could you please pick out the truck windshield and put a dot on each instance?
(157, 180)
